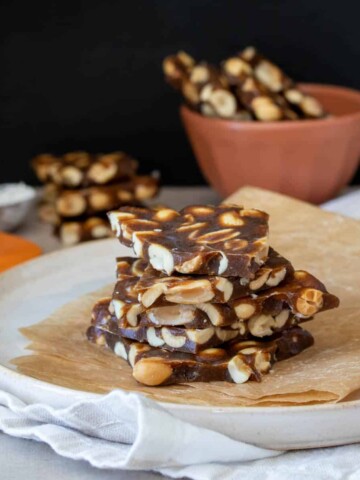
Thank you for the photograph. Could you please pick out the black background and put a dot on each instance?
(87, 75)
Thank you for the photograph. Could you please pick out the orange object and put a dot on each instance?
(15, 250)
(308, 159)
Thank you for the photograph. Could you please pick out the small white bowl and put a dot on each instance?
(14, 208)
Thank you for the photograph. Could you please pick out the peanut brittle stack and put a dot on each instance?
(80, 188)
(205, 298)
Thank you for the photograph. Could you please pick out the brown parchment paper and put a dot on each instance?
(326, 244)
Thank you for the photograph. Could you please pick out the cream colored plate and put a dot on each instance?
(30, 292)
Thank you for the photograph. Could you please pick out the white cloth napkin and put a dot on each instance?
(122, 430)
(128, 431)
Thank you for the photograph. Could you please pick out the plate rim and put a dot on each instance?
(59, 252)
(226, 409)
(218, 408)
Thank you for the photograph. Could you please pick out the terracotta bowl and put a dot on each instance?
(309, 159)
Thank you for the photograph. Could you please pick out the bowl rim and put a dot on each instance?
(19, 202)
(286, 124)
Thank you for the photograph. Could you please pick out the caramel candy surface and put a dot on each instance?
(155, 287)
(77, 231)
(276, 81)
(303, 294)
(184, 337)
(88, 201)
(227, 240)
(239, 362)
(81, 169)
(300, 296)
